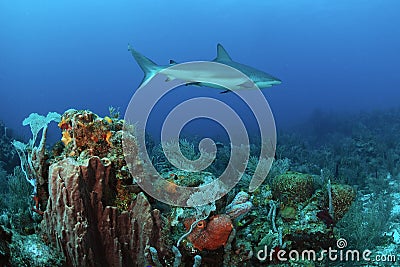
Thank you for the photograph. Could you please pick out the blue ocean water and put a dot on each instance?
(338, 62)
(330, 55)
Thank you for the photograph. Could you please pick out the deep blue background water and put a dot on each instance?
(331, 55)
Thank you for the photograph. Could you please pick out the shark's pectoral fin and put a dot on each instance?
(172, 62)
(193, 83)
(246, 85)
(169, 78)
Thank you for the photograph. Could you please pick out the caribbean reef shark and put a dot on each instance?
(214, 77)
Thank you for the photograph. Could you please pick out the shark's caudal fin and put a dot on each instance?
(222, 55)
(147, 65)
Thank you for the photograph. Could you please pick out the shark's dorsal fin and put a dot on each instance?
(222, 55)
(172, 62)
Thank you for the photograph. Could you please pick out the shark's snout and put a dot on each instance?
(268, 83)
(276, 81)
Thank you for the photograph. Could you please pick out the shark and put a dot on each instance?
(212, 75)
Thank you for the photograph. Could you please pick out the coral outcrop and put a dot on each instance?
(94, 214)
(342, 198)
(97, 215)
(292, 188)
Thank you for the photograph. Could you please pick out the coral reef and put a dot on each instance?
(5, 240)
(85, 217)
(32, 250)
(8, 156)
(96, 214)
(84, 134)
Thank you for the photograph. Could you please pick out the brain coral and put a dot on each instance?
(342, 198)
(292, 187)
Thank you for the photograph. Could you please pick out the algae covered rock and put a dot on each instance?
(292, 187)
(288, 213)
(342, 198)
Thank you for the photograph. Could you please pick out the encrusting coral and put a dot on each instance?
(84, 134)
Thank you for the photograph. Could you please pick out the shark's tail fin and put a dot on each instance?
(147, 65)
